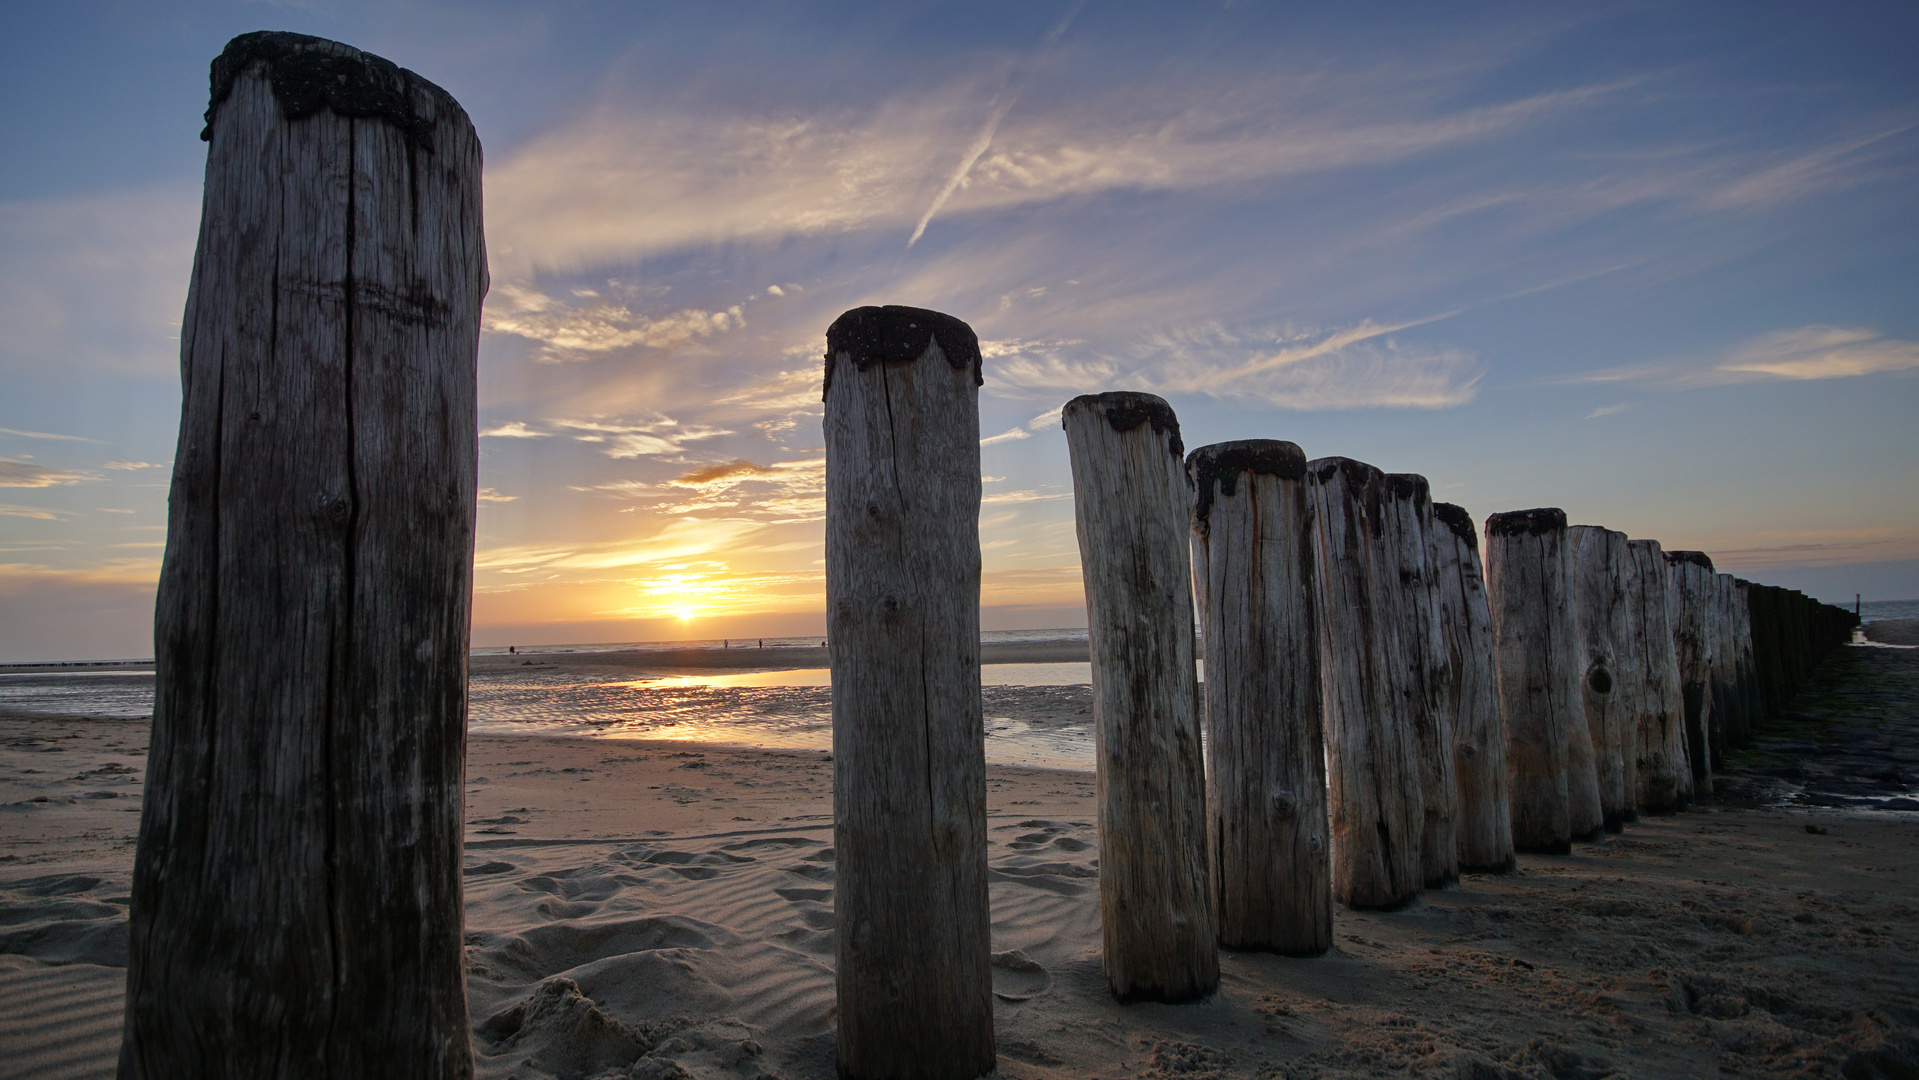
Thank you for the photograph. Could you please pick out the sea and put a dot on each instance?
(1036, 714)
(773, 709)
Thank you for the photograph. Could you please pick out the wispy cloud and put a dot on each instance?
(1819, 352)
(1354, 367)
(1800, 354)
(513, 429)
(1606, 410)
(677, 540)
(1026, 496)
(44, 435)
(566, 332)
(778, 493)
(657, 435)
(34, 512)
(488, 495)
(1009, 435)
(618, 184)
(1841, 164)
(1818, 547)
(26, 474)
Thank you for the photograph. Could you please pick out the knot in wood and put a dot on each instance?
(312, 73)
(1599, 679)
(1537, 522)
(1128, 409)
(1456, 518)
(900, 335)
(1285, 805)
(1219, 465)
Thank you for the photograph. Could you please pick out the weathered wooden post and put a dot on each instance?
(1424, 668)
(1374, 799)
(1691, 584)
(1526, 581)
(1606, 660)
(1751, 694)
(1253, 565)
(1664, 778)
(1730, 695)
(909, 744)
(1132, 502)
(296, 905)
(1484, 828)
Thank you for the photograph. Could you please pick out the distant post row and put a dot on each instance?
(1379, 712)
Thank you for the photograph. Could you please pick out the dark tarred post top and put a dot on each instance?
(899, 335)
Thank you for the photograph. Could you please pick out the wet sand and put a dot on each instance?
(1893, 631)
(665, 910)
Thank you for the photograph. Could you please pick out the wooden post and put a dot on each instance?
(1664, 779)
(909, 744)
(1131, 504)
(1691, 583)
(1374, 799)
(296, 903)
(1751, 695)
(1424, 666)
(1265, 731)
(1471, 697)
(1729, 688)
(1526, 579)
(1606, 661)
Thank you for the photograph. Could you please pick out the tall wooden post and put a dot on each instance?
(1131, 504)
(909, 744)
(1526, 579)
(1691, 584)
(1423, 667)
(1664, 779)
(296, 905)
(1745, 678)
(1253, 565)
(1729, 662)
(1485, 828)
(1606, 658)
(1375, 803)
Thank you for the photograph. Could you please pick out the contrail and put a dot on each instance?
(980, 142)
(996, 111)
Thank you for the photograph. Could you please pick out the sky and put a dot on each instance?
(1654, 263)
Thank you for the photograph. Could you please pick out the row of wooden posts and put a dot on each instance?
(1377, 714)
(296, 904)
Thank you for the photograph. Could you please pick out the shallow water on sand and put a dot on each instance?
(1036, 714)
(1040, 715)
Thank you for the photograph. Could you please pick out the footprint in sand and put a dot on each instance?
(1018, 977)
(1049, 834)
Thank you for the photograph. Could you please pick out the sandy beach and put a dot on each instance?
(664, 909)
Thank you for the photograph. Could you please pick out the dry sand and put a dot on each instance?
(665, 910)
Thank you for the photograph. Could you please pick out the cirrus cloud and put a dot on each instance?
(26, 474)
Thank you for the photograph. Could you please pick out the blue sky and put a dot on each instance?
(1652, 263)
